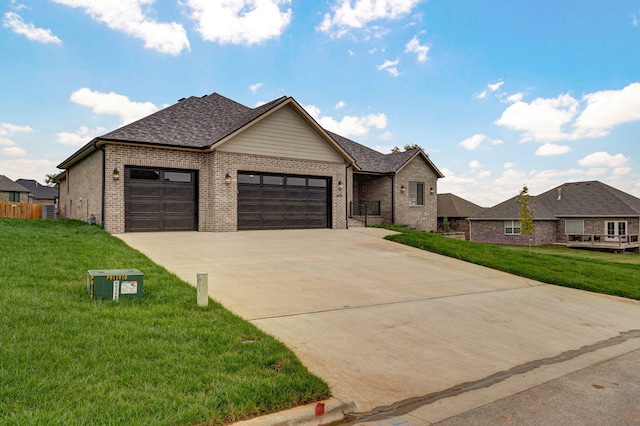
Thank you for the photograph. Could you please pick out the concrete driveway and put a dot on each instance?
(388, 325)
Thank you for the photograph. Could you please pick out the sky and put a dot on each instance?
(499, 93)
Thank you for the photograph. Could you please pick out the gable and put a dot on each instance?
(282, 134)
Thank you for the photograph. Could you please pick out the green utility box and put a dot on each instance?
(115, 284)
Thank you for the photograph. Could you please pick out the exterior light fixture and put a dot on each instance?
(402, 188)
(340, 185)
(116, 174)
(431, 191)
(227, 179)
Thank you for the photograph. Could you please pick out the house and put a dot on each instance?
(453, 212)
(38, 193)
(211, 164)
(12, 191)
(579, 214)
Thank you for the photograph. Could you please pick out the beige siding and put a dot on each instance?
(283, 134)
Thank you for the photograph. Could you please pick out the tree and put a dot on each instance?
(407, 147)
(53, 179)
(525, 214)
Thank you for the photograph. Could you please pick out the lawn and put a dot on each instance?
(615, 274)
(160, 360)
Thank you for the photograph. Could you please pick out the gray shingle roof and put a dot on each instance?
(574, 199)
(451, 205)
(39, 191)
(7, 185)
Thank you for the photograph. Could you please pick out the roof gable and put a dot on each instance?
(451, 205)
(7, 185)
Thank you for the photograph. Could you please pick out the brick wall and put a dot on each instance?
(456, 224)
(81, 190)
(418, 217)
(374, 188)
(492, 231)
(597, 226)
(24, 197)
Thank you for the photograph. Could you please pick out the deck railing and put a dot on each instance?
(602, 240)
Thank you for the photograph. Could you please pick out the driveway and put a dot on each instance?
(388, 325)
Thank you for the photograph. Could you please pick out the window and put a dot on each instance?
(272, 180)
(512, 227)
(416, 193)
(178, 176)
(574, 227)
(253, 179)
(616, 228)
(14, 196)
(296, 181)
(144, 174)
(320, 183)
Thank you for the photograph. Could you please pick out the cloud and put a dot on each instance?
(622, 171)
(509, 165)
(254, 87)
(14, 21)
(17, 168)
(495, 86)
(128, 16)
(476, 140)
(474, 164)
(240, 21)
(344, 17)
(516, 97)
(414, 46)
(6, 142)
(491, 88)
(112, 104)
(549, 149)
(542, 119)
(603, 159)
(9, 129)
(634, 20)
(80, 137)
(348, 126)
(608, 108)
(390, 67)
(340, 104)
(13, 151)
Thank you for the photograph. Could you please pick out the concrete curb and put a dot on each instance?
(305, 415)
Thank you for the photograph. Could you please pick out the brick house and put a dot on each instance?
(579, 214)
(38, 193)
(455, 210)
(12, 191)
(211, 164)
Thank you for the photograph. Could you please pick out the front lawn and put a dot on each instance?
(569, 268)
(161, 360)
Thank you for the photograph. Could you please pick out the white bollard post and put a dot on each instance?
(203, 289)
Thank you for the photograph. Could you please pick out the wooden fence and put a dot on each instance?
(20, 210)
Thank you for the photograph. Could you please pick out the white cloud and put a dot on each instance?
(491, 88)
(476, 140)
(542, 119)
(240, 21)
(495, 86)
(390, 67)
(634, 20)
(17, 168)
(414, 46)
(552, 149)
(13, 151)
(79, 137)
(597, 171)
(340, 104)
(509, 165)
(603, 159)
(345, 16)
(516, 97)
(351, 53)
(113, 104)
(474, 164)
(6, 142)
(14, 21)
(348, 126)
(254, 87)
(484, 173)
(9, 129)
(621, 171)
(608, 108)
(386, 136)
(129, 17)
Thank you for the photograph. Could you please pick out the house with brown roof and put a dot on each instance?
(587, 214)
(453, 212)
(211, 164)
(12, 191)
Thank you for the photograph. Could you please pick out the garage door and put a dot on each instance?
(269, 201)
(160, 199)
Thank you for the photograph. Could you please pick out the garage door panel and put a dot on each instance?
(142, 207)
(178, 224)
(170, 207)
(143, 224)
(143, 191)
(179, 192)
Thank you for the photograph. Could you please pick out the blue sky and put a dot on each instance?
(499, 93)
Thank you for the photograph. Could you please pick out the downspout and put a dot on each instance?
(346, 199)
(104, 179)
(393, 198)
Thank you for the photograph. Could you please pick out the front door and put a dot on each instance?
(616, 230)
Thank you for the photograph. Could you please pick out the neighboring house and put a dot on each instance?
(455, 210)
(38, 193)
(578, 214)
(211, 164)
(12, 191)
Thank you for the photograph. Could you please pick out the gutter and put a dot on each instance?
(104, 179)
(346, 199)
(393, 198)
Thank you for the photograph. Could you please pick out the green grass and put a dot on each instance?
(603, 272)
(160, 360)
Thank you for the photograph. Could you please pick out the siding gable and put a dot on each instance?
(283, 134)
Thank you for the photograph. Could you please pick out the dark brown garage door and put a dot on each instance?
(269, 201)
(160, 199)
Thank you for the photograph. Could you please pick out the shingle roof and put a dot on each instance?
(39, 191)
(574, 199)
(451, 205)
(7, 185)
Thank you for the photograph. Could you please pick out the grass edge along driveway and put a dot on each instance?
(160, 360)
(570, 270)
